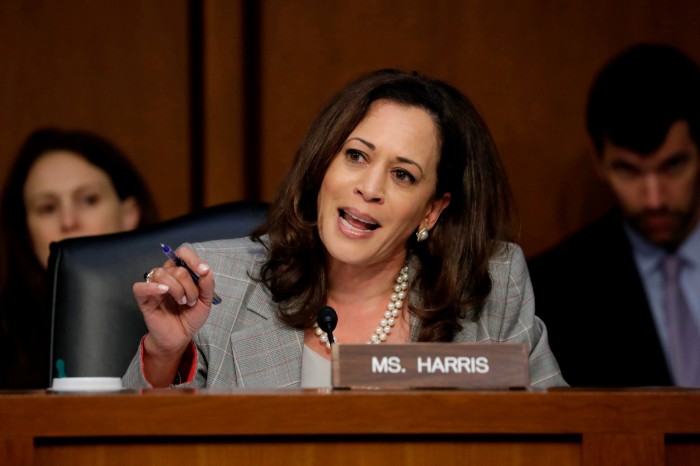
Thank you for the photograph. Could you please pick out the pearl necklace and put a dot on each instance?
(393, 310)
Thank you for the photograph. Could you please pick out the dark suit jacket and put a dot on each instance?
(590, 296)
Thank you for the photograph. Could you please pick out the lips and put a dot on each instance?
(357, 221)
(658, 221)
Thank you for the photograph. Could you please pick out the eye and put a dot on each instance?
(90, 199)
(45, 209)
(355, 156)
(625, 170)
(675, 165)
(404, 176)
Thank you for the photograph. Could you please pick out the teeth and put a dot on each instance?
(359, 219)
(351, 226)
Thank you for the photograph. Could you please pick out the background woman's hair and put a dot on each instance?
(453, 278)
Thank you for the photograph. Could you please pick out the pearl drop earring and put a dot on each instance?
(422, 234)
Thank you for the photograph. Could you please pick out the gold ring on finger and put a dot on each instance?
(149, 275)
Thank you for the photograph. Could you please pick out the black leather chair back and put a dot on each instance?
(96, 324)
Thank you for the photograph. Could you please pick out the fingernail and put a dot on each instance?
(192, 303)
(163, 287)
(203, 268)
(183, 300)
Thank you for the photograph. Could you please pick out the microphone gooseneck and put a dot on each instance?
(327, 319)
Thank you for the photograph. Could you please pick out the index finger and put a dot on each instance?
(204, 281)
(192, 260)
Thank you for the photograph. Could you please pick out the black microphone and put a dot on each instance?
(327, 319)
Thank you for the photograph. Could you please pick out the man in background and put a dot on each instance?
(621, 297)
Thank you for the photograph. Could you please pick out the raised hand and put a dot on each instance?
(174, 308)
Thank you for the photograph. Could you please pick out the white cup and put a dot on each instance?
(87, 384)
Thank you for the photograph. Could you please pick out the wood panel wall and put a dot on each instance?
(119, 68)
(211, 98)
(526, 65)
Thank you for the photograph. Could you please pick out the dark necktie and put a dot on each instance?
(683, 333)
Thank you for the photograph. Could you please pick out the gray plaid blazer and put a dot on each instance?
(243, 344)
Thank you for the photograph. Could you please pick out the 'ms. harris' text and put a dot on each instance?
(433, 365)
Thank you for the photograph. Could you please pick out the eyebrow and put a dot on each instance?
(621, 163)
(366, 143)
(681, 154)
(399, 158)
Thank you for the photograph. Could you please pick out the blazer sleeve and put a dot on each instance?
(135, 378)
(509, 316)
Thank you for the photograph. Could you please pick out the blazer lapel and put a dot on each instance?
(267, 353)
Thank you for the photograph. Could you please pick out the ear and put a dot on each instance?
(131, 213)
(435, 208)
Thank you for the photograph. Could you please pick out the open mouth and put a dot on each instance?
(357, 223)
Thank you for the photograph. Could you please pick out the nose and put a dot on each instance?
(69, 219)
(370, 185)
(653, 192)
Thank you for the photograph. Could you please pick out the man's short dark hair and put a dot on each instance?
(638, 95)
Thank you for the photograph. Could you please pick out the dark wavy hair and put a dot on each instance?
(453, 278)
(639, 94)
(23, 282)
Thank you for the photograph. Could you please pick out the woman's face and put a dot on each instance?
(379, 188)
(65, 196)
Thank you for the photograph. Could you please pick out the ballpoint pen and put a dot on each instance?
(168, 251)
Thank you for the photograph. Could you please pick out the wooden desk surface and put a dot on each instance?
(659, 426)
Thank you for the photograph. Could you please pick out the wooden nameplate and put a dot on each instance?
(434, 365)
